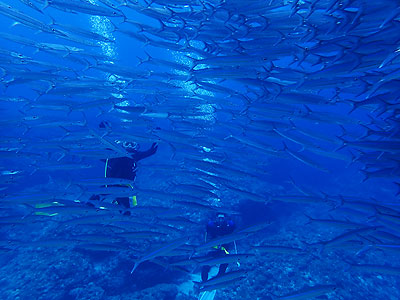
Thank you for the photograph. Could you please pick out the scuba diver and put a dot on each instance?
(216, 228)
(125, 167)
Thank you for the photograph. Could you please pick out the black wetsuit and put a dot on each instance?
(125, 167)
(214, 231)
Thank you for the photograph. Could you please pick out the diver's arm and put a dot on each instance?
(143, 154)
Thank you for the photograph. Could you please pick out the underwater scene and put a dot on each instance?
(199, 149)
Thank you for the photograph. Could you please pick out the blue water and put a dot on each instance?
(284, 114)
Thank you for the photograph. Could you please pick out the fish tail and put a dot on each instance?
(309, 218)
(30, 208)
(353, 106)
(348, 263)
(142, 61)
(137, 263)
(363, 250)
(398, 185)
(285, 147)
(228, 137)
(45, 4)
(366, 175)
(344, 144)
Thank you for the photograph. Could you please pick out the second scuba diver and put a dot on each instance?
(216, 228)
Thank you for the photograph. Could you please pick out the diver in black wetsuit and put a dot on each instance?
(220, 226)
(125, 167)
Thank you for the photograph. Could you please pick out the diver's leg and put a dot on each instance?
(222, 269)
(93, 197)
(124, 201)
(204, 273)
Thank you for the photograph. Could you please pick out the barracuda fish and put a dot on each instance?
(166, 63)
(194, 205)
(278, 249)
(347, 236)
(390, 218)
(158, 13)
(382, 247)
(174, 219)
(140, 235)
(109, 144)
(227, 277)
(109, 193)
(197, 190)
(63, 210)
(304, 159)
(83, 7)
(28, 198)
(386, 146)
(368, 207)
(387, 236)
(300, 199)
(22, 18)
(238, 60)
(102, 247)
(175, 2)
(161, 251)
(226, 259)
(249, 195)
(219, 285)
(335, 223)
(96, 238)
(222, 240)
(83, 33)
(309, 292)
(334, 155)
(20, 220)
(104, 218)
(31, 5)
(50, 243)
(254, 228)
(186, 262)
(296, 139)
(223, 73)
(105, 181)
(265, 149)
(131, 109)
(386, 270)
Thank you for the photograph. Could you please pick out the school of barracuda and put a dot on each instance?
(311, 83)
